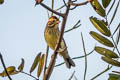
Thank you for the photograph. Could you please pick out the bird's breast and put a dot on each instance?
(51, 37)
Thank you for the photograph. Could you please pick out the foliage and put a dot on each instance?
(105, 37)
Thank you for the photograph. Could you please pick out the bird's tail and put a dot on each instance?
(68, 61)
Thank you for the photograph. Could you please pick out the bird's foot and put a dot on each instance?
(61, 50)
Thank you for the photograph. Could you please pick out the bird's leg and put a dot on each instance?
(62, 49)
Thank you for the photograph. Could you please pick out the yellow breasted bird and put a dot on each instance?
(51, 35)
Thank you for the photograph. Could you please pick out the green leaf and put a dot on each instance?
(101, 39)
(100, 25)
(105, 3)
(21, 66)
(41, 64)
(11, 71)
(35, 63)
(114, 76)
(111, 61)
(106, 52)
(105, 22)
(98, 8)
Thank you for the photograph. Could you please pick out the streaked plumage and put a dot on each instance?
(51, 35)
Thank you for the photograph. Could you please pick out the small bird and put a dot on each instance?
(51, 35)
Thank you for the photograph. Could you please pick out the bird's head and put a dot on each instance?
(53, 22)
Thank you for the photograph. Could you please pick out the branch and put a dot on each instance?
(53, 58)
(116, 29)
(115, 45)
(29, 75)
(116, 72)
(60, 8)
(71, 76)
(1, 58)
(85, 56)
(65, 3)
(74, 27)
(52, 6)
(75, 58)
(114, 14)
(79, 4)
(111, 7)
(53, 11)
(45, 67)
(108, 68)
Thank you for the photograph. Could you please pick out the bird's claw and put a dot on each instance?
(61, 50)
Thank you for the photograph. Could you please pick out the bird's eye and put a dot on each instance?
(53, 20)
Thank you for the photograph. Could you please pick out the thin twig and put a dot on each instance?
(74, 1)
(75, 58)
(75, 77)
(46, 7)
(60, 8)
(116, 72)
(71, 76)
(79, 4)
(73, 8)
(65, 3)
(74, 27)
(30, 75)
(68, 3)
(48, 14)
(2, 61)
(52, 6)
(116, 29)
(85, 57)
(45, 67)
(108, 68)
(115, 45)
(111, 7)
(116, 9)
(118, 37)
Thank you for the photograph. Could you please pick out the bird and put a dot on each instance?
(51, 35)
